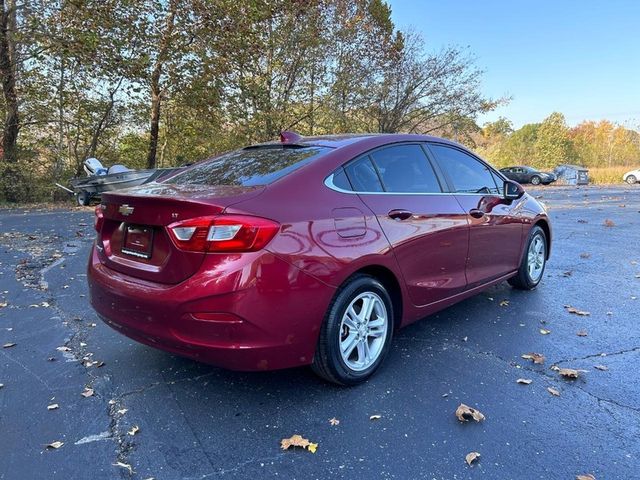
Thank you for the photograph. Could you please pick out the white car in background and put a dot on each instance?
(632, 177)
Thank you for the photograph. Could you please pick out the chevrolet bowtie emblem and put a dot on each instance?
(125, 210)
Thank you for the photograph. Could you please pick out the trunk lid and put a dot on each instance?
(134, 239)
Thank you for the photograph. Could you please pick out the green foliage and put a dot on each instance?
(550, 143)
(553, 145)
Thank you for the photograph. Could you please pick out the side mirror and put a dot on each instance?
(513, 190)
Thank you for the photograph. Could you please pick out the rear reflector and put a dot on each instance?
(99, 218)
(223, 233)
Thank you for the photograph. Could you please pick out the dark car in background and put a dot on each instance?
(522, 174)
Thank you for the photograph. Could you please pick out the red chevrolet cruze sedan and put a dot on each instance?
(311, 250)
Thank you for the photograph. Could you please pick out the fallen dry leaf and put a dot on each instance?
(544, 331)
(298, 441)
(524, 381)
(1, 385)
(88, 392)
(504, 303)
(3, 304)
(609, 223)
(466, 413)
(55, 445)
(553, 391)
(568, 372)
(585, 255)
(126, 466)
(334, 421)
(63, 349)
(581, 333)
(135, 429)
(8, 345)
(375, 417)
(535, 357)
(53, 406)
(602, 368)
(586, 476)
(122, 411)
(575, 311)
(471, 457)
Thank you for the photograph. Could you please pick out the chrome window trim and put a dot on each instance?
(328, 182)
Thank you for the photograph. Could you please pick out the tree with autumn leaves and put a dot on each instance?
(152, 83)
(551, 142)
(162, 82)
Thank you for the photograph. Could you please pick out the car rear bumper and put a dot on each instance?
(262, 314)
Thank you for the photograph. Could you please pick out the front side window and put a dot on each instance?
(250, 166)
(467, 174)
(405, 169)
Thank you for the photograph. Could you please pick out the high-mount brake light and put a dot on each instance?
(223, 233)
(289, 136)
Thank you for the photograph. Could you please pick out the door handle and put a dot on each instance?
(476, 213)
(400, 214)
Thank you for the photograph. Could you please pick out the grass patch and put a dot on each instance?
(606, 175)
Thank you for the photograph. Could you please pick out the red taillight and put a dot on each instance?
(224, 233)
(99, 218)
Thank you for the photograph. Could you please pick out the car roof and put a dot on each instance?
(342, 140)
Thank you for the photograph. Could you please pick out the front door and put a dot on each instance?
(495, 241)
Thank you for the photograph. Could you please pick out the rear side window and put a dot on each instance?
(405, 169)
(363, 176)
(250, 166)
(467, 174)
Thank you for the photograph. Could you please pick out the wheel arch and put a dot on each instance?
(390, 282)
(544, 225)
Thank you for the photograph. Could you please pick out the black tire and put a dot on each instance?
(523, 280)
(535, 180)
(328, 362)
(83, 198)
(631, 179)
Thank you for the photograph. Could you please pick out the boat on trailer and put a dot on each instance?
(101, 179)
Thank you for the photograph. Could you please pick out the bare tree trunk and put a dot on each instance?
(59, 165)
(156, 97)
(311, 106)
(156, 91)
(104, 121)
(12, 177)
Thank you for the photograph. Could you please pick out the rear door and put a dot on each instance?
(426, 227)
(495, 226)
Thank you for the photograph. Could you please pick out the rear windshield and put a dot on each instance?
(249, 167)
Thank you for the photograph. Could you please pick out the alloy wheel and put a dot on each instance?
(536, 256)
(363, 331)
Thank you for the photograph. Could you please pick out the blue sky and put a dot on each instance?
(581, 58)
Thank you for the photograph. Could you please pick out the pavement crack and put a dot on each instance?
(124, 447)
(204, 450)
(28, 370)
(241, 465)
(601, 354)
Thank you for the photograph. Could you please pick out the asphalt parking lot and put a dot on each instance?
(198, 422)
